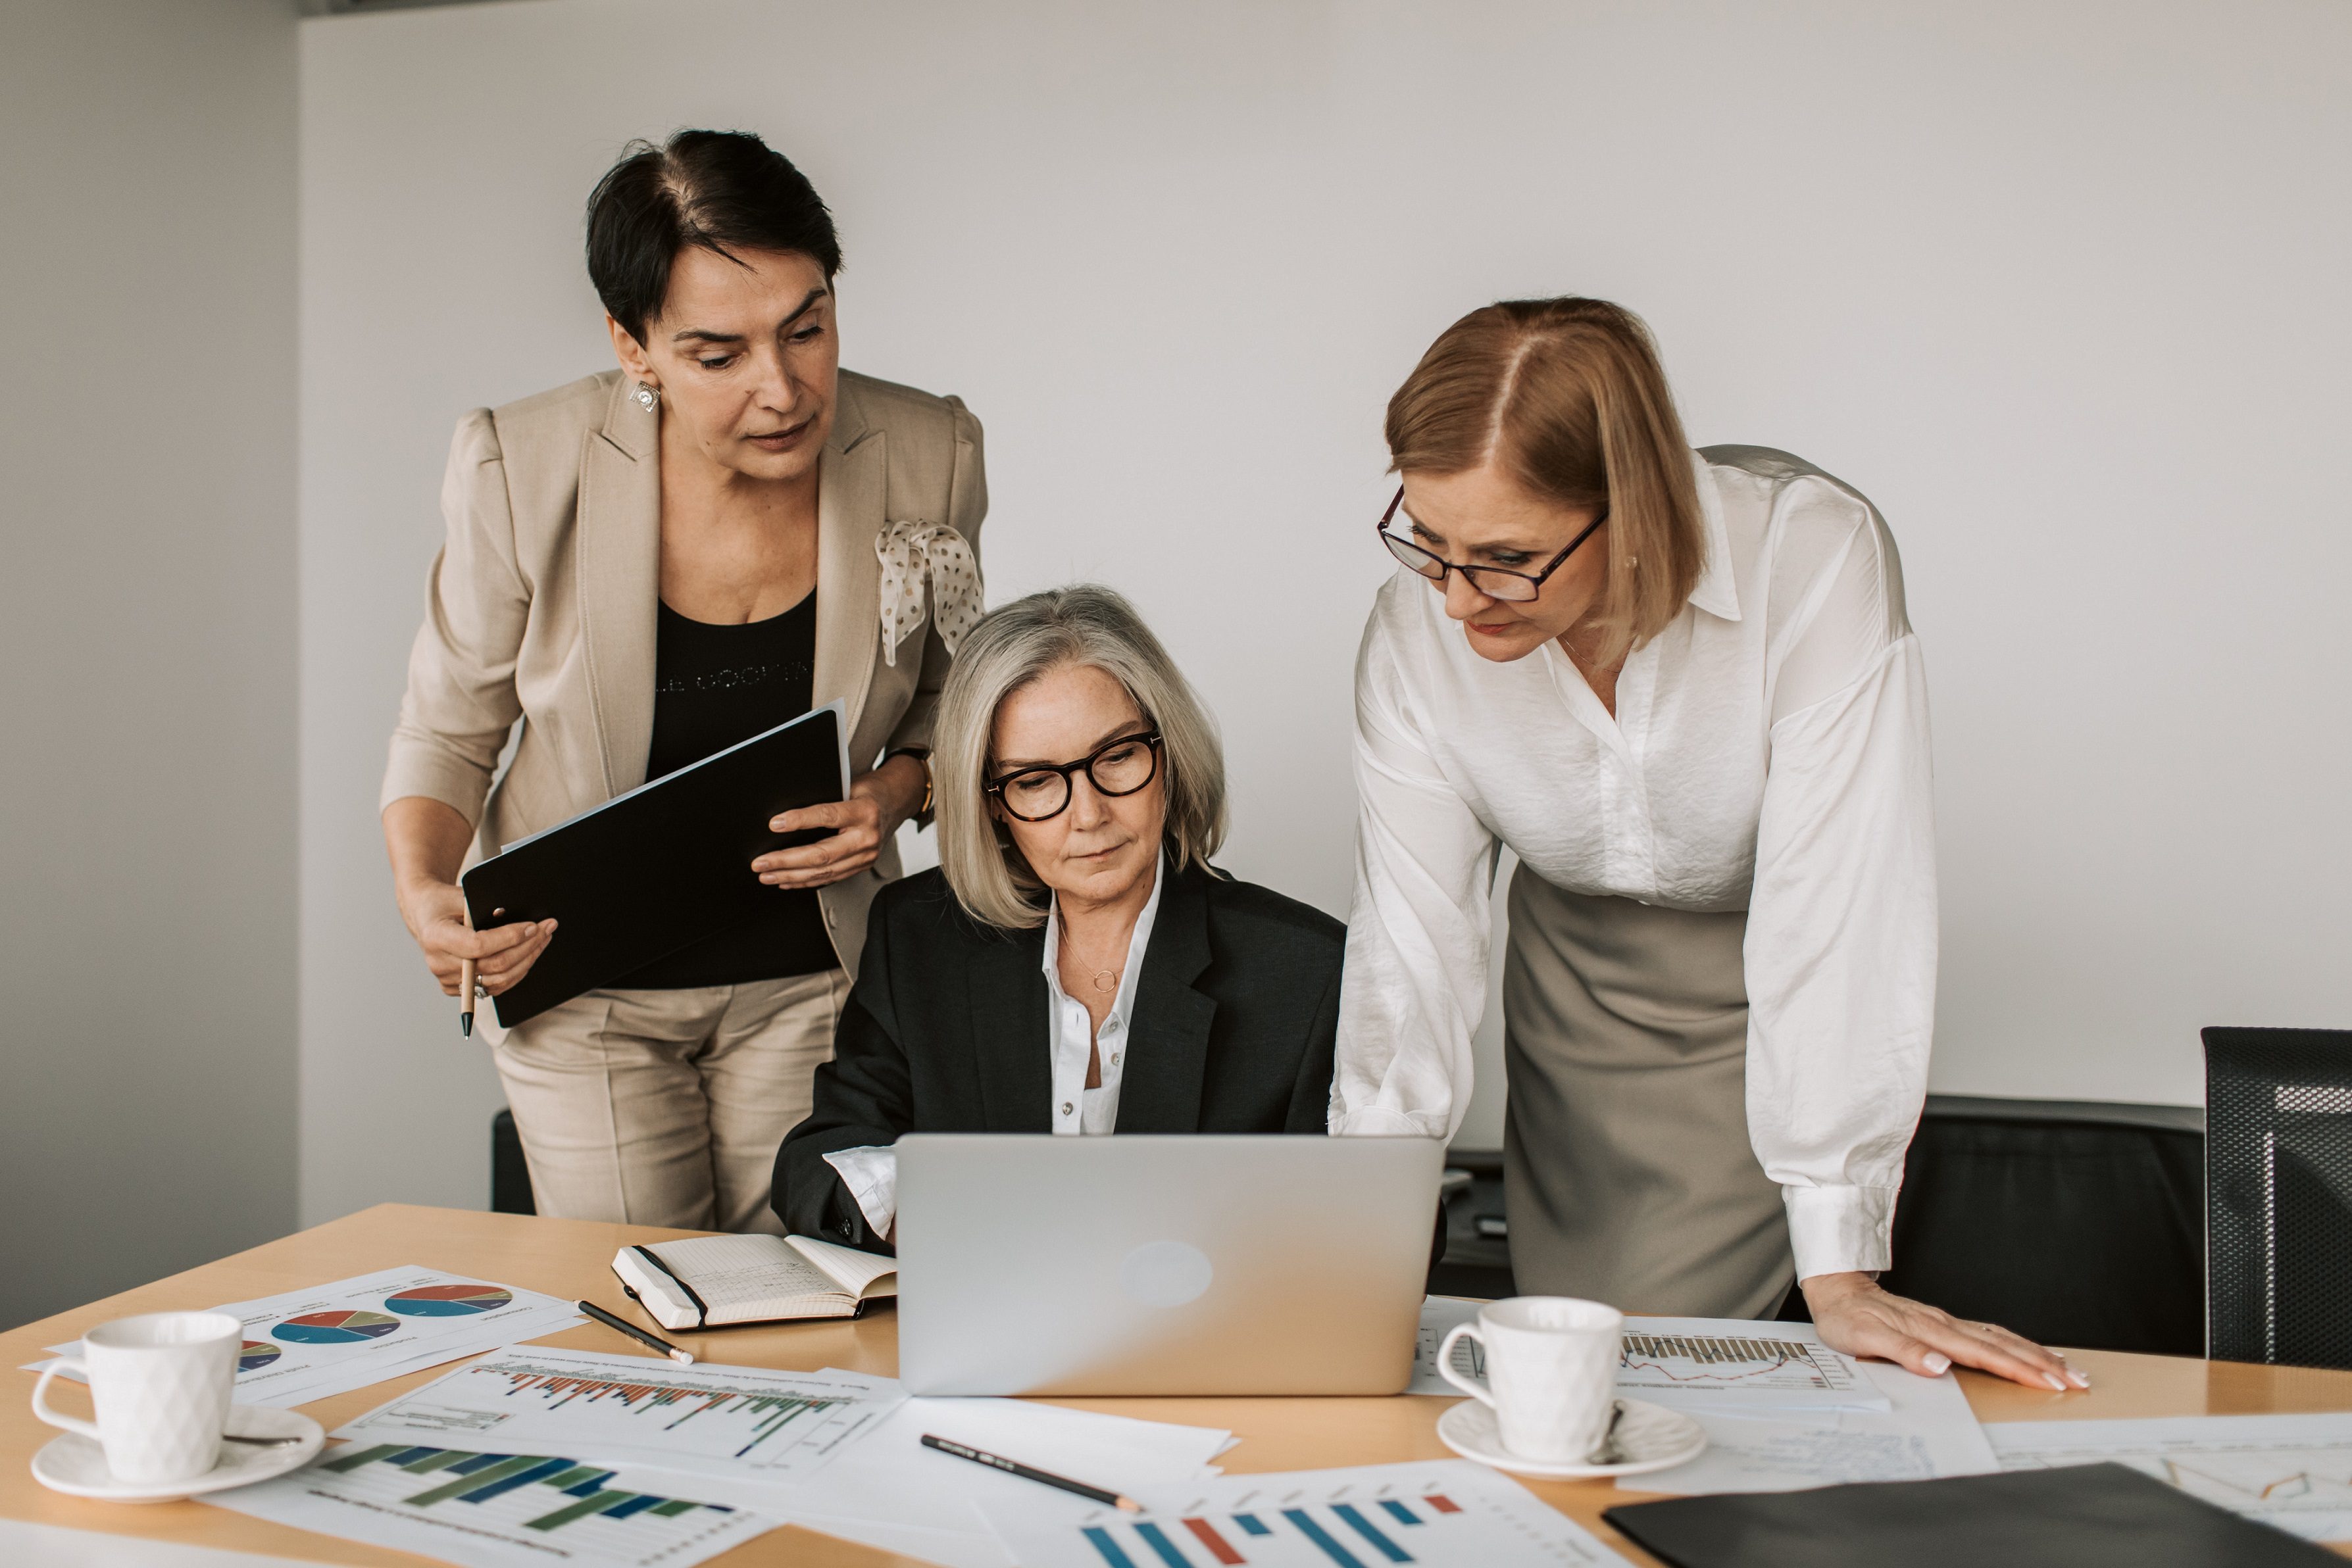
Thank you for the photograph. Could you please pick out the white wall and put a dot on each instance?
(147, 757)
(2060, 287)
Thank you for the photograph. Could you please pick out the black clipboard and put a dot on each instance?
(664, 865)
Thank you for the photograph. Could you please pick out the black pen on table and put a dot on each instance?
(655, 1341)
(1027, 1473)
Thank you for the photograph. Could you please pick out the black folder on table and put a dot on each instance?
(2080, 1516)
(668, 863)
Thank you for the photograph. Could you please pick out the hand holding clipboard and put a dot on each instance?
(665, 865)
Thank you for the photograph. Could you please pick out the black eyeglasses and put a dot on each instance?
(1116, 768)
(1494, 582)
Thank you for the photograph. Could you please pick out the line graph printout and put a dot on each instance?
(744, 1422)
(2292, 1472)
(1440, 1512)
(495, 1510)
(1730, 1364)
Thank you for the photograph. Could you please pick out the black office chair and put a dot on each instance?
(509, 1177)
(2279, 1219)
(2073, 1222)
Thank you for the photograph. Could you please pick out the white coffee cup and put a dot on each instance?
(1551, 1372)
(161, 1386)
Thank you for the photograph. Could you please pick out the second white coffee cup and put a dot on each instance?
(160, 1387)
(1551, 1372)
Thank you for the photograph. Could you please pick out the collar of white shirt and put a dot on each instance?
(1077, 1109)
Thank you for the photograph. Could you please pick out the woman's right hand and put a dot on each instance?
(436, 914)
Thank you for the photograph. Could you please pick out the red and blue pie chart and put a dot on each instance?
(334, 1328)
(448, 1300)
(256, 1354)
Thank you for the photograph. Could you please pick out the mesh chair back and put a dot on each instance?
(2278, 1218)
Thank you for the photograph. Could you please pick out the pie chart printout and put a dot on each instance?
(256, 1354)
(334, 1328)
(448, 1300)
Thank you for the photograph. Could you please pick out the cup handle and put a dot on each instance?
(55, 1418)
(1445, 1362)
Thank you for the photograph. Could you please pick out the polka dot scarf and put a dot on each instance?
(909, 551)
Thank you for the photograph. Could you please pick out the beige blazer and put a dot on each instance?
(541, 605)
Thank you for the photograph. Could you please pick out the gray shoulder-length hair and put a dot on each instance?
(1014, 646)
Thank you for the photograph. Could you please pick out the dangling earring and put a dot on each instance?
(648, 397)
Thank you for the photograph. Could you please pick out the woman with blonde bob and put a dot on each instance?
(1075, 965)
(1680, 687)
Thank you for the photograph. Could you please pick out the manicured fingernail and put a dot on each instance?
(2077, 1379)
(1938, 1364)
(2055, 1381)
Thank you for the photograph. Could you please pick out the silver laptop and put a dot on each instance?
(1035, 1264)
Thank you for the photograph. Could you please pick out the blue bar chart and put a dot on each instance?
(480, 1507)
(1370, 1518)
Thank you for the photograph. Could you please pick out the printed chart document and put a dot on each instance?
(1928, 1431)
(1436, 1511)
(2294, 1472)
(1690, 1364)
(495, 1511)
(332, 1338)
(741, 1422)
(893, 1493)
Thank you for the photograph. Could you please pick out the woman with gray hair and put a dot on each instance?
(1075, 965)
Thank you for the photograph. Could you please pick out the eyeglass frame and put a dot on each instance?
(1391, 542)
(1151, 738)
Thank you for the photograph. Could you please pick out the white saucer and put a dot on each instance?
(74, 1465)
(1651, 1437)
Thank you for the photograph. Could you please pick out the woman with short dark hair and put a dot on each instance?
(648, 566)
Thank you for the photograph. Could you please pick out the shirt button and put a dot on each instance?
(1066, 1107)
(1113, 1059)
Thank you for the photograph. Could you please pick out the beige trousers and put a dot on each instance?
(1627, 1172)
(667, 1107)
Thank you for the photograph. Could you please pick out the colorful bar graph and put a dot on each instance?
(1441, 1504)
(1252, 1525)
(484, 1477)
(1399, 1513)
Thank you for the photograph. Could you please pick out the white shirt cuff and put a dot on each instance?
(1380, 1122)
(871, 1174)
(1838, 1229)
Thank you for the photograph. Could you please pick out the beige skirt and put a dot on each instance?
(1627, 1171)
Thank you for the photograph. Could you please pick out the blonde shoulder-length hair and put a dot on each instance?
(1567, 396)
(1014, 646)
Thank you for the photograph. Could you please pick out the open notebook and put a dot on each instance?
(708, 1281)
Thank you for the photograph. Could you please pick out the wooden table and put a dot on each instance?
(572, 1259)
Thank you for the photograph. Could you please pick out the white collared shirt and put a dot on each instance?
(871, 1172)
(1769, 752)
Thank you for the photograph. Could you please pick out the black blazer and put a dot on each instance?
(947, 1031)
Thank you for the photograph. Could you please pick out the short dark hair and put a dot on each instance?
(723, 190)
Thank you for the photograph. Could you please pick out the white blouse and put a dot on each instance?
(1770, 753)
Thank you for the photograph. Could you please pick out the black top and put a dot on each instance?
(947, 1030)
(716, 686)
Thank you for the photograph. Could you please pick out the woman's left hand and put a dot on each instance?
(878, 801)
(1856, 1316)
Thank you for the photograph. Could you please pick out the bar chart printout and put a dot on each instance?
(1444, 1512)
(1731, 1364)
(494, 1509)
(741, 1422)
